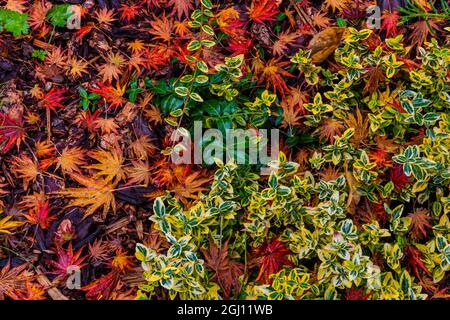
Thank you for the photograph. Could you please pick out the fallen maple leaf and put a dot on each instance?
(262, 11)
(7, 224)
(271, 257)
(181, 7)
(67, 261)
(12, 131)
(226, 270)
(96, 194)
(11, 280)
(26, 169)
(70, 159)
(109, 166)
(420, 222)
(100, 289)
(53, 99)
(40, 215)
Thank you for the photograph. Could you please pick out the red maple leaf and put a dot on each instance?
(40, 215)
(356, 294)
(112, 95)
(381, 157)
(271, 257)
(389, 24)
(420, 221)
(82, 32)
(128, 13)
(413, 261)
(261, 11)
(227, 271)
(399, 178)
(12, 131)
(67, 261)
(53, 99)
(100, 289)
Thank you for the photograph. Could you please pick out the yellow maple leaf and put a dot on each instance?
(70, 159)
(96, 193)
(25, 169)
(6, 225)
(109, 166)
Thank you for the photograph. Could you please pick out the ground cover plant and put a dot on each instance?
(354, 206)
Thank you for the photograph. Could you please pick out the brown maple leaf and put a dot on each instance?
(11, 280)
(361, 126)
(420, 222)
(285, 39)
(328, 129)
(421, 30)
(226, 271)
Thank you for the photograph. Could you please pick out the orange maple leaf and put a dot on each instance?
(96, 193)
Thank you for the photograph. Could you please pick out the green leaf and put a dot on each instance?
(182, 91)
(202, 66)
(59, 14)
(14, 22)
(159, 208)
(196, 97)
(206, 3)
(201, 79)
(207, 29)
(194, 45)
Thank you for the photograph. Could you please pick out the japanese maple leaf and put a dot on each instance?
(399, 178)
(181, 7)
(12, 131)
(101, 288)
(25, 168)
(389, 24)
(113, 67)
(95, 194)
(421, 31)
(240, 45)
(291, 115)
(70, 159)
(226, 271)
(420, 222)
(262, 11)
(11, 280)
(40, 215)
(356, 294)
(285, 39)
(54, 98)
(109, 166)
(272, 74)
(66, 262)
(121, 261)
(328, 129)
(187, 184)
(414, 262)
(162, 28)
(334, 5)
(361, 126)
(82, 32)
(374, 75)
(381, 157)
(112, 95)
(87, 120)
(128, 12)
(271, 257)
(7, 224)
(38, 14)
